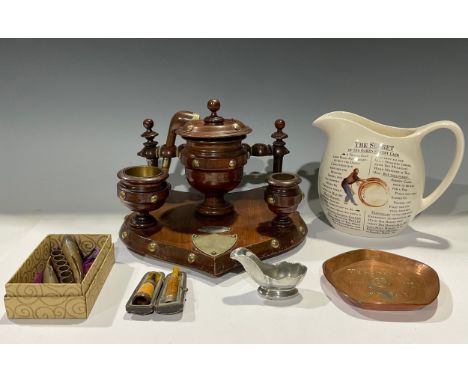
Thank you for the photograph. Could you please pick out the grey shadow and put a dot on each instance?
(306, 299)
(257, 177)
(454, 201)
(115, 288)
(409, 237)
(438, 311)
(187, 315)
(104, 310)
(309, 172)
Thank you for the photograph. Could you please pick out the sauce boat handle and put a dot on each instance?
(453, 169)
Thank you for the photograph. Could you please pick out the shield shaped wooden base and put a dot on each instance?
(184, 237)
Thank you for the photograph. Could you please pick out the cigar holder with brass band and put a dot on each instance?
(198, 230)
(177, 304)
(132, 307)
(157, 303)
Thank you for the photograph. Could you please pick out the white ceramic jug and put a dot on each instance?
(371, 178)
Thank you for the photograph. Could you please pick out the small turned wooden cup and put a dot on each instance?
(283, 195)
(142, 189)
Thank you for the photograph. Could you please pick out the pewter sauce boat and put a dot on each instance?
(278, 281)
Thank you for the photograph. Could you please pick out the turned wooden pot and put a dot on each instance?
(283, 195)
(214, 168)
(142, 189)
(214, 158)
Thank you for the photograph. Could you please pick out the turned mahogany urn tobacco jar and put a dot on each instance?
(214, 158)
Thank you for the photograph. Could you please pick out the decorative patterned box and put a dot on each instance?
(25, 299)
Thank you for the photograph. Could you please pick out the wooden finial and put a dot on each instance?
(149, 150)
(278, 134)
(214, 105)
(279, 148)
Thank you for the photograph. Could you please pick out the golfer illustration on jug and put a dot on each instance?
(347, 183)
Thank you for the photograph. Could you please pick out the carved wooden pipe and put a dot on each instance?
(169, 150)
(151, 151)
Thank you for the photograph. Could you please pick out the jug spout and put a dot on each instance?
(328, 121)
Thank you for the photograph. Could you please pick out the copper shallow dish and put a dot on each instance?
(378, 280)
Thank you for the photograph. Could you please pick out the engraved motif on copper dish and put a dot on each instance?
(378, 280)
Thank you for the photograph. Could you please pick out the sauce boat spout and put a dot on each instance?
(251, 263)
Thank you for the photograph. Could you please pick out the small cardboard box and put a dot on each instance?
(25, 299)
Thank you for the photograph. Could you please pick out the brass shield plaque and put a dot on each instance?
(214, 244)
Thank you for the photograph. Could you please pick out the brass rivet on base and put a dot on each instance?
(154, 198)
(275, 243)
(189, 128)
(301, 230)
(191, 257)
(195, 163)
(270, 199)
(152, 246)
(122, 195)
(124, 235)
(232, 163)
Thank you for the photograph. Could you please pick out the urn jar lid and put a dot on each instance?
(213, 126)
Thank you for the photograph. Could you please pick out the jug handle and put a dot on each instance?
(455, 165)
